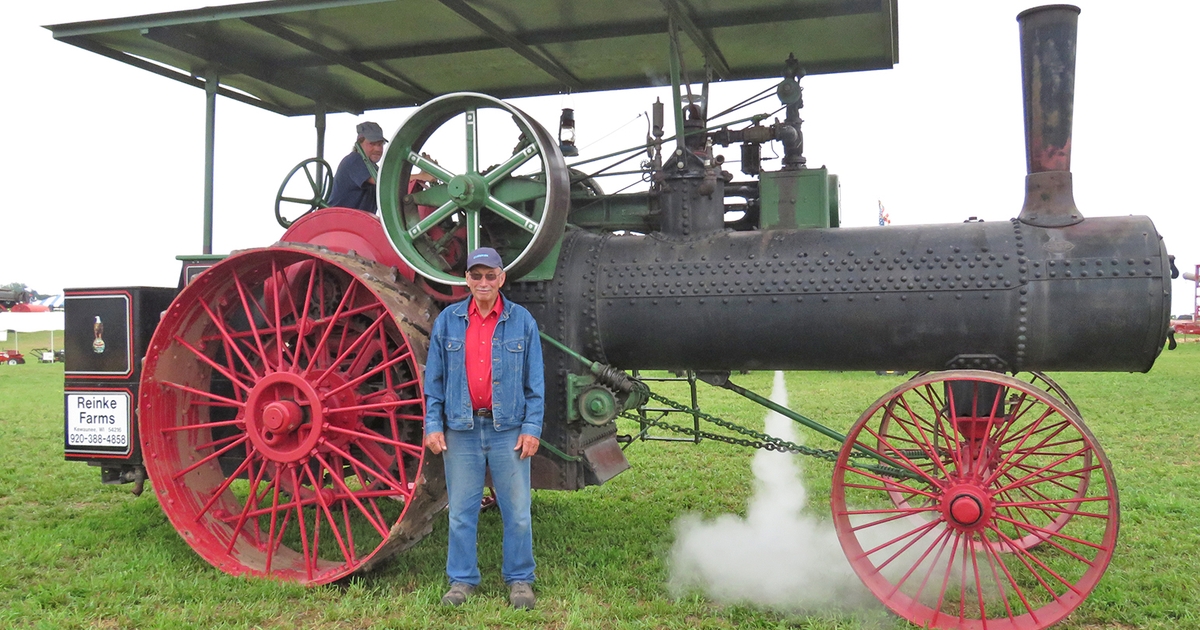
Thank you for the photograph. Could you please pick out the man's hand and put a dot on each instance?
(436, 442)
(527, 444)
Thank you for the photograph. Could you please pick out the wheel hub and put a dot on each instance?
(468, 190)
(283, 417)
(967, 508)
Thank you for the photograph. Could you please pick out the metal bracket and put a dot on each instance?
(989, 362)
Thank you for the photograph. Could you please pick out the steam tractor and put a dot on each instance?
(274, 398)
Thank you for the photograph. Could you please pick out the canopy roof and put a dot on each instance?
(296, 56)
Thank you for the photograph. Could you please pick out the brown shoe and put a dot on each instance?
(520, 595)
(457, 594)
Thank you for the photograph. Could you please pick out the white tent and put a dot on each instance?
(30, 322)
(54, 301)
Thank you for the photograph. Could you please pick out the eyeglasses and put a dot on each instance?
(479, 275)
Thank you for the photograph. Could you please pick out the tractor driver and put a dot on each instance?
(353, 185)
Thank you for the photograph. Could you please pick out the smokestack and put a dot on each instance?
(1048, 82)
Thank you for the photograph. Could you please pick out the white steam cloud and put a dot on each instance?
(777, 556)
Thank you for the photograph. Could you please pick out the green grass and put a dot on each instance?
(77, 554)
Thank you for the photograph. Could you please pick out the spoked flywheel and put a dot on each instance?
(281, 415)
(489, 193)
(987, 465)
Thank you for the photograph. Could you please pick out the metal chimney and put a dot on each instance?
(1048, 82)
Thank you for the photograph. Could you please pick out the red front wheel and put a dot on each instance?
(986, 464)
(281, 415)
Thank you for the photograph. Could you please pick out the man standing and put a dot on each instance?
(484, 396)
(354, 184)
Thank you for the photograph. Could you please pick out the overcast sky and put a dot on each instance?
(105, 162)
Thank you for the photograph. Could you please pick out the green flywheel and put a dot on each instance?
(483, 192)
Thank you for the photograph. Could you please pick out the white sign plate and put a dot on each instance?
(96, 419)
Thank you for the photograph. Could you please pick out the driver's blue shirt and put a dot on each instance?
(351, 188)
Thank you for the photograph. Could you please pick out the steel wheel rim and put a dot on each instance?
(472, 194)
(953, 562)
(327, 408)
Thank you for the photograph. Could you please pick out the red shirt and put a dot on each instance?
(478, 349)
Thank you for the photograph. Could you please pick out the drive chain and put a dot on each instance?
(759, 439)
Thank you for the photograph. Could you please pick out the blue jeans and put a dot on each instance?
(468, 454)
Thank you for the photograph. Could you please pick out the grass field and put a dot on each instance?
(77, 554)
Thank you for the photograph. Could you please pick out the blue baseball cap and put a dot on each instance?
(485, 256)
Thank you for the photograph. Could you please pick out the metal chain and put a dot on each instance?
(761, 440)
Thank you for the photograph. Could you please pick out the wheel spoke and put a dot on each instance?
(276, 280)
(221, 488)
(1029, 560)
(378, 475)
(324, 509)
(230, 344)
(309, 559)
(923, 442)
(473, 241)
(346, 353)
(430, 167)
(512, 215)
(211, 456)
(891, 460)
(994, 560)
(320, 346)
(302, 320)
(378, 525)
(312, 182)
(472, 140)
(251, 501)
(375, 437)
(241, 289)
(511, 164)
(216, 443)
(382, 405)
(271, 541)
(1007, 462)
(201, 425)
(213, 364)
(375, 371)
(434, 218)
(1036, 476)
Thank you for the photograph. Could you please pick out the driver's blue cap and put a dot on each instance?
(485, 256)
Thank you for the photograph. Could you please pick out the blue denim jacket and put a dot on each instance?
(518, 383)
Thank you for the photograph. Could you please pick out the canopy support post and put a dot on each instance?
(319, 121)
(211, 83)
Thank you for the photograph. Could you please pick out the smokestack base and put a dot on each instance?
(1049, 200)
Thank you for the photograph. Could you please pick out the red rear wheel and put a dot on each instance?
(986, 464)
(281, 414)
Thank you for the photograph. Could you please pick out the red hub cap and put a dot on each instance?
(966, 508)
(283, 417)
